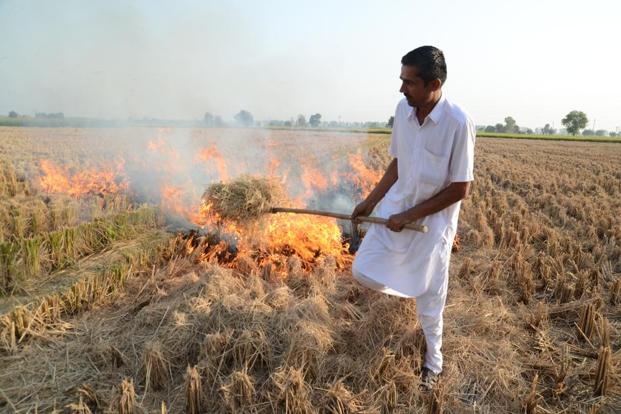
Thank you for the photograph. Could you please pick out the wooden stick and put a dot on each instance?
(376, 220)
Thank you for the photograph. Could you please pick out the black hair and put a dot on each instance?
(429, 61)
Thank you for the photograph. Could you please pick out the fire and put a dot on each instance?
(362, 176)
(212, 153)
(313, 180)
(307, 236)
(157, 145)
(107, 180)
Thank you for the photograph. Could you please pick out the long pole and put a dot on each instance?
(376, 220)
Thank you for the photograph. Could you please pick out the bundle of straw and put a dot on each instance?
(245, 198)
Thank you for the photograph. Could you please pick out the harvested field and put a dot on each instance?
(230, 319)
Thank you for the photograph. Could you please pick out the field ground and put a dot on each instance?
(103, 310)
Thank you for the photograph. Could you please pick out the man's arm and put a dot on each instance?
(366, 207)
(450, 195)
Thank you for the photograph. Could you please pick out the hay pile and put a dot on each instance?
(244, 199)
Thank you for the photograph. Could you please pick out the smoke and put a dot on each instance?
(173, 167)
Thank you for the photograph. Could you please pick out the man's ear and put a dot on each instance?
(436, 84)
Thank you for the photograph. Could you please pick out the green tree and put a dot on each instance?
(208, 119)
(588, 133)
(391, 122)
(490, 128)
(547, 130)
(301, 121)
(500, 128)
(12, 114)
(601, 132)
(511, 125)
(314, 120)
(244, 118)
(575, 121)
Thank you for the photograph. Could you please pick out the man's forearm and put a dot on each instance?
(450, 195)
(389, 178)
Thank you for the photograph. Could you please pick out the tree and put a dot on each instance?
(244, 118)
(510, 125)
(500, 128)
(588, 132)
(575, 121)
(601, 132)
(490, 128)
(391, 122)
(208, 119)
(301, 121)
(613, 134)
(13, 114)
(315, 120)
(547, 130)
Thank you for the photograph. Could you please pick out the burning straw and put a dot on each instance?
(244, 199)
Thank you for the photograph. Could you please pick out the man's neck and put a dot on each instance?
(424, 110)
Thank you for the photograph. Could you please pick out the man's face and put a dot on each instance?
(413, 87)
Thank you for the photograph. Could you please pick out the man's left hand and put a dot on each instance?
(396, 222)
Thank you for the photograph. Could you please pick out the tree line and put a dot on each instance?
(575, 122)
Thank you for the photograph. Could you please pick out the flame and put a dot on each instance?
(308, 237)
(362, 176)
(313, 180)
(273, 166)
(157, 145)
(104, 180)
(212, 153)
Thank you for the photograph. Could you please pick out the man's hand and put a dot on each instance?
(396, 222)
(365, 208)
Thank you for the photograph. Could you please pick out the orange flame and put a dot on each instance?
(362, 176)
(212, 153)
(57, 179)
(313, 180)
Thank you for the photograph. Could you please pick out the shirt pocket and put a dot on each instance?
(432, 174)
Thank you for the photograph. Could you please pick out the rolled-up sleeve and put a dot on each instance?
(461, 167)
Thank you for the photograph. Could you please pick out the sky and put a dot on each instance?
(534, 60)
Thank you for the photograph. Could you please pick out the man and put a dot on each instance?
(432, 146)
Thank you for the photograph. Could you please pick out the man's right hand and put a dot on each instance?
(365, 208)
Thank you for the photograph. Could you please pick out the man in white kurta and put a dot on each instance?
(434, 157)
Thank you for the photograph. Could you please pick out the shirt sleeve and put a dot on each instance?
(393, 150)
(461, 167)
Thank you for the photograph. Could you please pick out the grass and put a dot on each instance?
(36, 256)
(576, 138)
(70, 291)
(480, 134)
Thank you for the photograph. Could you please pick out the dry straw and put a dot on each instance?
(194, 392)
(244, 199)
(127, 400)
(601, 375)
(155, 365)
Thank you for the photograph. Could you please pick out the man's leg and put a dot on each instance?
(429, 309)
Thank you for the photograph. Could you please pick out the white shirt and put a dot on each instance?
(430, 156)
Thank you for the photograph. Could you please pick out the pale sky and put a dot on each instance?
(535, 60)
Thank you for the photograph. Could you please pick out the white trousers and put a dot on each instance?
(429, 310)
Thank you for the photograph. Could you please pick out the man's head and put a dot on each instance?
(423, 72)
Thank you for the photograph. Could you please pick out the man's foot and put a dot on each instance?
(428, 379)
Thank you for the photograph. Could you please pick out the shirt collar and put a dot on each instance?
(436, 113)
